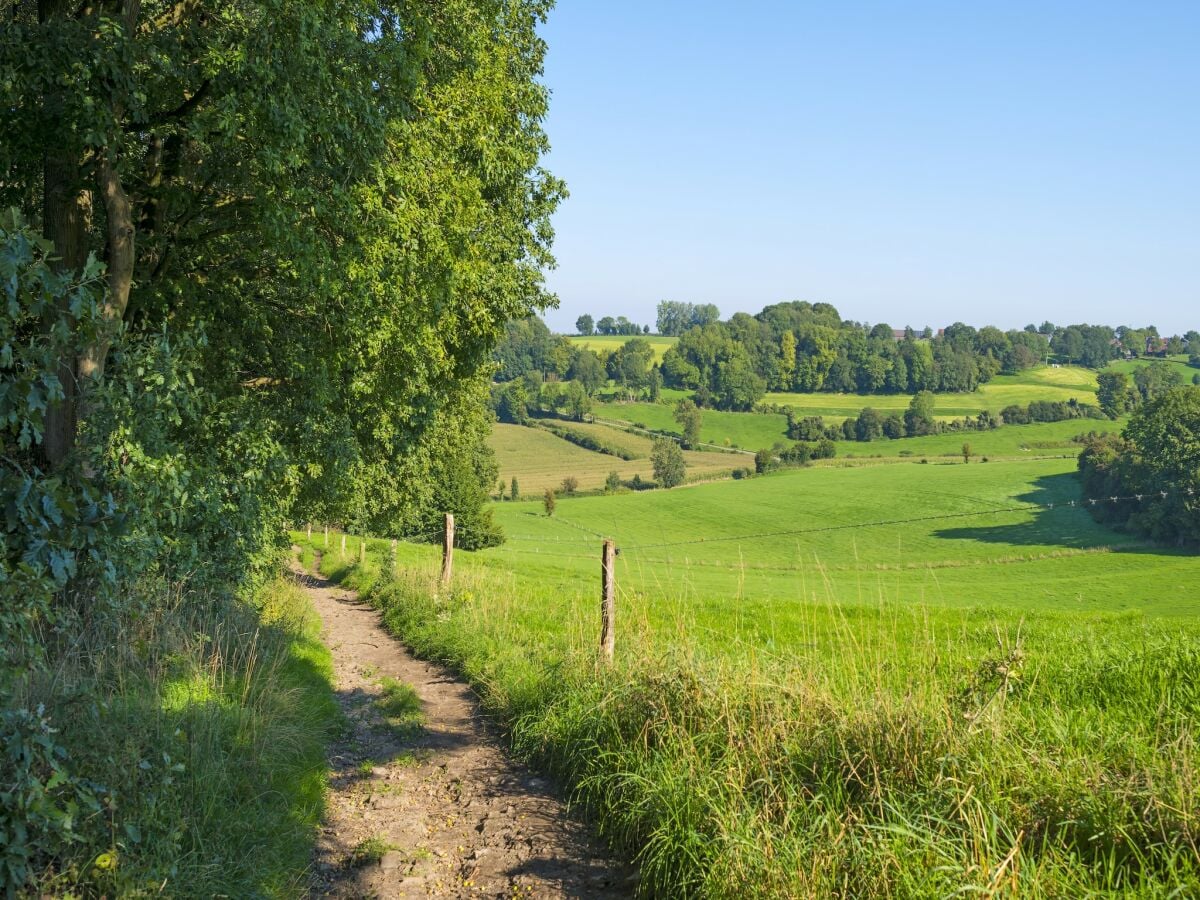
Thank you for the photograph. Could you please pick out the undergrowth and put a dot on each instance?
(899, 758)
(198, 731)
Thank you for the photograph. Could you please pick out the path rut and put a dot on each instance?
(450, 813)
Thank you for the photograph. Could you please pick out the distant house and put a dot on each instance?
(899, 333)
(1156, 346)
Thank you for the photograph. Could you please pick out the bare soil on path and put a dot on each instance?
(439, 810)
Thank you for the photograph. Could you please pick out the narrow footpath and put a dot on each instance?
(436, 810)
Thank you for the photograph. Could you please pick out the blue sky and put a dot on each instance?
(911, 163)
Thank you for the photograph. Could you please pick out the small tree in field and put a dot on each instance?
(966, 453)
(689, 417)
(548, 501)
(570, 484)
(667, 459)
(514, 492)
(612, 483)
(500, 489)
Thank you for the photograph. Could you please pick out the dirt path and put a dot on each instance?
(436, 810)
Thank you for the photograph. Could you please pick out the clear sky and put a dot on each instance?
(910, 162)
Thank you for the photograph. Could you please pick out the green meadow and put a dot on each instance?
(896, 680)
(607, 343)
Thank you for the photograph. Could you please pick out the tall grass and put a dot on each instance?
(202, 723)
(881, 750)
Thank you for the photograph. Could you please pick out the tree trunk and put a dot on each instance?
(66, 220)
(120, 239)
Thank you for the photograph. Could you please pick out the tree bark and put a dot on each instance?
(66, 220)
(120, 239)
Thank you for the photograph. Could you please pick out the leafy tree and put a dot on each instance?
(612, 483)
(690, 418)
(787, 361)
(570, 484)
(588, 370)
(548, 501)
(585, 325)
(500, 487)
(578, 403)
(966, 452)
(1159, 453)
(630, 365)
(607, 325)
(918, 418)
(667, 460)
(1115, 394)
(868, 426)
(514, 490)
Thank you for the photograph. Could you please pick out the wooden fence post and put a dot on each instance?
(326, 535)
(608, 612)
(343, 543)
(448, 549)
(362, 549)
(393, 556)
(310, 530)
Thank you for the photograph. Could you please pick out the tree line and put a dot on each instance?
(809, 348)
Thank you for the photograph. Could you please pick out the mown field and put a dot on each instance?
(874, 681)
(752, 431)
(609, 342)
(540, 460)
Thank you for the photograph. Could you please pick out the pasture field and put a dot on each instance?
(1042, 383)
(881, 681)
(751, 431)
(541, 460)
(610, 342)
(1129, 366)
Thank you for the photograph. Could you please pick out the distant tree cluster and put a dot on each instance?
(919, 420)
(1158, 454)
(674, 317)
(587, 326)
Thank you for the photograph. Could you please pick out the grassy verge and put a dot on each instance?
(877, 750)
(201, 726)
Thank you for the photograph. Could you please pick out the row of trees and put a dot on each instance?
(1119, 392)
(587, 326)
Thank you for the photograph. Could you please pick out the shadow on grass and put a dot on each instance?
(1057, 524)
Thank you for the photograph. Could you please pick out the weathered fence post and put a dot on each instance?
(362, 548)
(393, 556)
(326, 535)
(310, 530)
(343, 543)
(448, 549)
(608, 612)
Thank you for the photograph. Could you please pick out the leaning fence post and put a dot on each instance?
(448, 549)
(608, 613)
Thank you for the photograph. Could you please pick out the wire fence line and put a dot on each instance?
(1085, 503)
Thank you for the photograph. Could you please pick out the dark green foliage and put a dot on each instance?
(612, 483)
(548, 501)
(1158, 454)
(587, 440)
(585, 325)
(690, 419)
(918, 418)
(667, 460)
